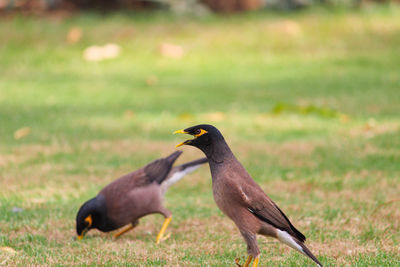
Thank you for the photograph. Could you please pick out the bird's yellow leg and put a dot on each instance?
(163, 228)
(255, 262)
(249, 258)
(123, 230)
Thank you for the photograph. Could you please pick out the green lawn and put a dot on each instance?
(308, 101)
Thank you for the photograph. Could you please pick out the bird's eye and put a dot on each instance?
(198, 131)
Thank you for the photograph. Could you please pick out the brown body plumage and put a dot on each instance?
(241, 198)
(132, 196)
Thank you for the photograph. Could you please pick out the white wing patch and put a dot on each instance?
(177, 176)
(287, 239)
(244, 196)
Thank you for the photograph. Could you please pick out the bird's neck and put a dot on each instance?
(218, 154)
(97, 208)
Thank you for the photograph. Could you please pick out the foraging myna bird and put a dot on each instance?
(132, 196)
(241, 198)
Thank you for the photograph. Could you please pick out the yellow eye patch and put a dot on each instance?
(202, 131)
(89, 220)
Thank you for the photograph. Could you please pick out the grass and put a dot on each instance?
(309, 102)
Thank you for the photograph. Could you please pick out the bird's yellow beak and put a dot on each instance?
(180, 144)
(188, 142)
(180, 132)
(80, 237)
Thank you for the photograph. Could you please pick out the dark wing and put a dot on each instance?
(193, 163)
(158, 170)
(126, 183)
(178, 172)
(155, 171)
(266, 210)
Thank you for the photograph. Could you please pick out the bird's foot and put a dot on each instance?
(255, 262)
(237, 260)
(123, 231)
(163, 228)
(247, 262)
(166, 237)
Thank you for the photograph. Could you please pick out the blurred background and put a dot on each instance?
(179, 6)
(306, 92)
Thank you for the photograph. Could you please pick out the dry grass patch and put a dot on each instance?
(289, 154)
(127, 147)
(372, 128)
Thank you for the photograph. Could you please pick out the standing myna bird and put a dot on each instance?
(132, 196)
(241, 198)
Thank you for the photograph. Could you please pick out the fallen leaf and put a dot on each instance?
(93, 53)
(111, 51)
(171, 51)
(21, 133)
(74, 35)
(98, 53)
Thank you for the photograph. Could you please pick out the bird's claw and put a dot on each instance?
(165, 237)
(237, 260)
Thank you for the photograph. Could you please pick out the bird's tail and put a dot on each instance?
(298, 245)
(178, 172)
(171, 158)
(308, 253)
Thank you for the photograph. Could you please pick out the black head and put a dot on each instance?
(88, 216)
(207, 138)
(204, 135)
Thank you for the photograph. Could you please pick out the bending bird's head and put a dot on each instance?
(85, 219)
